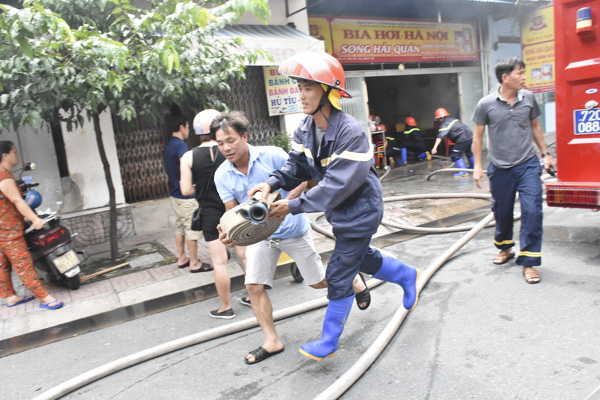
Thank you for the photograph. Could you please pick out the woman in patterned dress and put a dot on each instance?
(13, 248)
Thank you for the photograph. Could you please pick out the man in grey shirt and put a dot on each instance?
(511, 116)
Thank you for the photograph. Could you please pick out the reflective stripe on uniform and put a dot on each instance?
(299, 147)
(504, 242)
(354, 156)
(530, 254)
(449, 125)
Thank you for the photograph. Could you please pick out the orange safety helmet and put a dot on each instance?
(410, 121)
(441, 113)
(318, 67)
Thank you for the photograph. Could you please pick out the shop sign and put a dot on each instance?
(283, 95)
(537, 38)
(357, 40)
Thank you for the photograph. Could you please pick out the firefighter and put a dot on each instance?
(413, 141)
(458, 133)
(331, 147)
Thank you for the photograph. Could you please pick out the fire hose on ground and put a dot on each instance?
(342, 384)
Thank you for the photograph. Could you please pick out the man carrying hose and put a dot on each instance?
(245, 167)
(330, 147)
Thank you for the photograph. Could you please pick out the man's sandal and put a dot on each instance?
(261, 354)
(364, 296)
(503, 257)
(531, 275)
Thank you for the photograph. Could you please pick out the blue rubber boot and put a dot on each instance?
(425, 156)
(333, 326)
(404, 156)
(460, 164)
(394, 270)
(471, 162)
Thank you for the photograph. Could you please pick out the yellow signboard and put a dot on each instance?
(283, 95)
(356, 40)
(538, 26)
(539, 59)
(537, 36)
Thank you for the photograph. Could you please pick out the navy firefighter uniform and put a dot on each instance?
(460, 134)
(413, 141)
(340, 159)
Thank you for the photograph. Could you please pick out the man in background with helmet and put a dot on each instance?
(413, 141)
(183, 206)
(331, 147)
(460, 134)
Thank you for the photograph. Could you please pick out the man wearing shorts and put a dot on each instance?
(247, 166)
(183, 206)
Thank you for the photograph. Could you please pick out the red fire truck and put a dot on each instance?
(577, 59)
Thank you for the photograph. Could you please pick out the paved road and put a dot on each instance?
(478, 332)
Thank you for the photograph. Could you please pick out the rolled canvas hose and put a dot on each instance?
(247, 223)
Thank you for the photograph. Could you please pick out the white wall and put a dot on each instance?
(36, 145)
(278, 15)
(85, 166)
(498, 50)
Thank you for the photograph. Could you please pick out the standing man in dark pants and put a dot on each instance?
(460, 134)
(511, 116)
(330, 147)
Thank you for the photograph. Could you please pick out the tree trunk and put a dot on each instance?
(114, 235)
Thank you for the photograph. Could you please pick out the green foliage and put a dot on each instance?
(91, 55)
(281, 140)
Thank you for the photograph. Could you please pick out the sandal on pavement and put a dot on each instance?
(364, 296)
(203, 268)
(53, 305)
(503, 257)
(187, 264)
(261, 354)
(531, 275)
(24, 300)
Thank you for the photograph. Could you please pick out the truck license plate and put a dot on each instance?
(587, 122)
(66, 261)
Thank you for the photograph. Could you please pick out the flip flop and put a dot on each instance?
(503, 257)
(53, 305)
(261, 354)
(364, 296)
(25, 299)
(203, 268)
(532, 276)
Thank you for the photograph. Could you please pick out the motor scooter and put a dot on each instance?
(52, 248)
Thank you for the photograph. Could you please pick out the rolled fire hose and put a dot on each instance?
(248, 223)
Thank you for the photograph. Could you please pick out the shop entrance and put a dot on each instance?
(393, 98)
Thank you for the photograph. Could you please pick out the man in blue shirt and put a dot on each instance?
(183, 206)
(247, 166)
